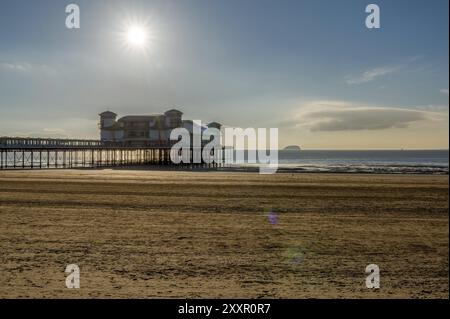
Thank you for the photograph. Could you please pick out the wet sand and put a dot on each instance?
(150, 234)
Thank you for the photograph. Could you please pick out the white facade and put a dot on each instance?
(148, 130)
(142, 130)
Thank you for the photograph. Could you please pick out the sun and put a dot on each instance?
(136, 36)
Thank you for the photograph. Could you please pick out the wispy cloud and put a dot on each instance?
(16, 66)
(45, 133)
(444, 91)
(346, 116)
(375, 73)
(26, 67)
(372, 74)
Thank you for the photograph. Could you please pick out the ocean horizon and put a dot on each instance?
(363, 161)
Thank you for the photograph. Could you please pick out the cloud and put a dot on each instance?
(372, 74)
(381, 71)
(16, 66)
(45, 133)
(345, 116)
(444, 91)
(25, 67)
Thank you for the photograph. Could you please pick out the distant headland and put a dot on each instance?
(292, 148)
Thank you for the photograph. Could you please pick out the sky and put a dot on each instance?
(311, 68)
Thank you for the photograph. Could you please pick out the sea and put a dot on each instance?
(340, 161)
(366, 161)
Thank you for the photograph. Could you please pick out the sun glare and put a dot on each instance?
(136, 36)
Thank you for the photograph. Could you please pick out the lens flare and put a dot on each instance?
(136, 36)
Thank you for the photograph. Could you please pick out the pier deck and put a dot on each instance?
(39, 153)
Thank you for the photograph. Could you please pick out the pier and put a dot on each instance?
(42, 153)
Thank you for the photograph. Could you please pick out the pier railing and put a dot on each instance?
(18, 142)
(38, 153)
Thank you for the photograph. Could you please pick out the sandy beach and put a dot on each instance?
(167, 234)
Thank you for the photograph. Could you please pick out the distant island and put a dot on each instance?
(292, 148)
